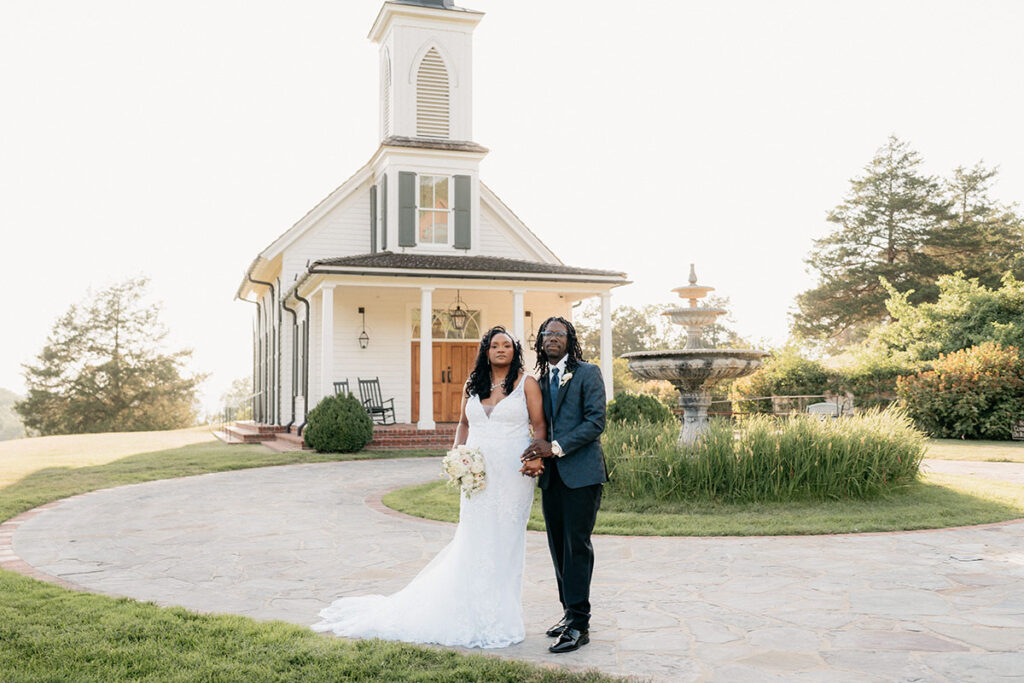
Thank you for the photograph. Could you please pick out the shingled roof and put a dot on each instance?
(387, 260)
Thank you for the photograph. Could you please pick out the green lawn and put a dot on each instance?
(20, 457)
(52, 634)
(936, 501)
(994, 451)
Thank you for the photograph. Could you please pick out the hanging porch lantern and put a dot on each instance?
(532, 339)
(457, 314)
(364, 339)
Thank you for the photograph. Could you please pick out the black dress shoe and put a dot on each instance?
(557, 629)
(570, 640)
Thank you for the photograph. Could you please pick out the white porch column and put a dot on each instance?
(518, 315)
(606, 343)
(426, 359)
(327, 341)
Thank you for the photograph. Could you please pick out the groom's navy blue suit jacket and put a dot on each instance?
(575, 419)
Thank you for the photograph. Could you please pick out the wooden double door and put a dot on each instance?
(452, 361)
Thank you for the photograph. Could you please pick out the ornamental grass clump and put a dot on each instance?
(338, 424)
(766, 458)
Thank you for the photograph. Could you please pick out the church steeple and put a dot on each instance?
(426, 69)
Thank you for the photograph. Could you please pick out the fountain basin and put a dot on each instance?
(694, 316)
(692, 369)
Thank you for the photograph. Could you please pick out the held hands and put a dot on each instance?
(539, 448)
(533, 463)
(532, 468)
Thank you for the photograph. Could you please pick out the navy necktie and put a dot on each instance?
(554, 390)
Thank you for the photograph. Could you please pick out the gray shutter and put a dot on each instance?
(463, 192)
(384, 212)
(406, 209)
(373, 219)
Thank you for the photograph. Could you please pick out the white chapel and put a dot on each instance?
(414, 235)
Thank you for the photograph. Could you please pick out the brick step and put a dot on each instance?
(227, 438)
(385, 437)
(261, 428)
(240, 434)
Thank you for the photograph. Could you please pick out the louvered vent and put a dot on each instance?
(433, 106)
(386, 96)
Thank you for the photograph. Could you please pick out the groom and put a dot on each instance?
(574, 405)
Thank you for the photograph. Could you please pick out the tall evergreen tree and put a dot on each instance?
(882, 226)
(103, 369)
(981, 238)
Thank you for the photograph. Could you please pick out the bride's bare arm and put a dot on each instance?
(535, 409)
(462, 431)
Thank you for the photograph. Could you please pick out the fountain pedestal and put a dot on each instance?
(694, 370)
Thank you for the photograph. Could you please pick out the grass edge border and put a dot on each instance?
(376, 502)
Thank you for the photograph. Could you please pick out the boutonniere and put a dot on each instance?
(564, 380)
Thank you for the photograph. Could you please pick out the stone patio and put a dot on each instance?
(282, 542)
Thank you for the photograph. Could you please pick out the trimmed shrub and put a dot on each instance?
(975, 393)
(338, 424)
(871, 378)
(635, 408)
(625, 381)
(766, 458)
(786, 373)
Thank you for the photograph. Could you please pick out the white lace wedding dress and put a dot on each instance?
(470, 594)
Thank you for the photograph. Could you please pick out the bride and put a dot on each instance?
(470, 594)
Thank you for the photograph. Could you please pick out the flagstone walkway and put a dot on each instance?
(282, 542)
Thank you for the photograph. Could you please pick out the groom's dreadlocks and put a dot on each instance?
(573, 352)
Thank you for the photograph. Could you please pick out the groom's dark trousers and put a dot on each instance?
(571, 485)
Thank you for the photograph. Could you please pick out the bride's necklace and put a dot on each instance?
(497, 384)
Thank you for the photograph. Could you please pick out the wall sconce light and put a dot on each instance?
(532, 339)
(458, 314)
(364, 339)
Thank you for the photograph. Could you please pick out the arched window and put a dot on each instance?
(433, 100)
(385, 87)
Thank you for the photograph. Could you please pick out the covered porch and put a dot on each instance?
(366, 321)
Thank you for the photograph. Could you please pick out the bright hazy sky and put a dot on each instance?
(177, 139)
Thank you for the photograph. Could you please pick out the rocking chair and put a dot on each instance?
(380, 410)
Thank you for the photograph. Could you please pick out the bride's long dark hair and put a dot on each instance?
(479, 383)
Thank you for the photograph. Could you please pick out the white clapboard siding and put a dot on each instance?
(344, 231)
(498, 239)
(433, 98)
(387, 356)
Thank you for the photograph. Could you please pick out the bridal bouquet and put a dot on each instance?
(464, 467)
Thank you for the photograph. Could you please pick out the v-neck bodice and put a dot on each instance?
(505, 416)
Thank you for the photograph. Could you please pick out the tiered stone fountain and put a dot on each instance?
(694, 370)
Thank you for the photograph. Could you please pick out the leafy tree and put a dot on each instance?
(633, 329)
(10, 425)
(981, 238)
(645, 328)
(785, 373)
(234, 400)
(908, 228)
(103, 369)
(965, 314)
(882, 226)
(720, 335)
